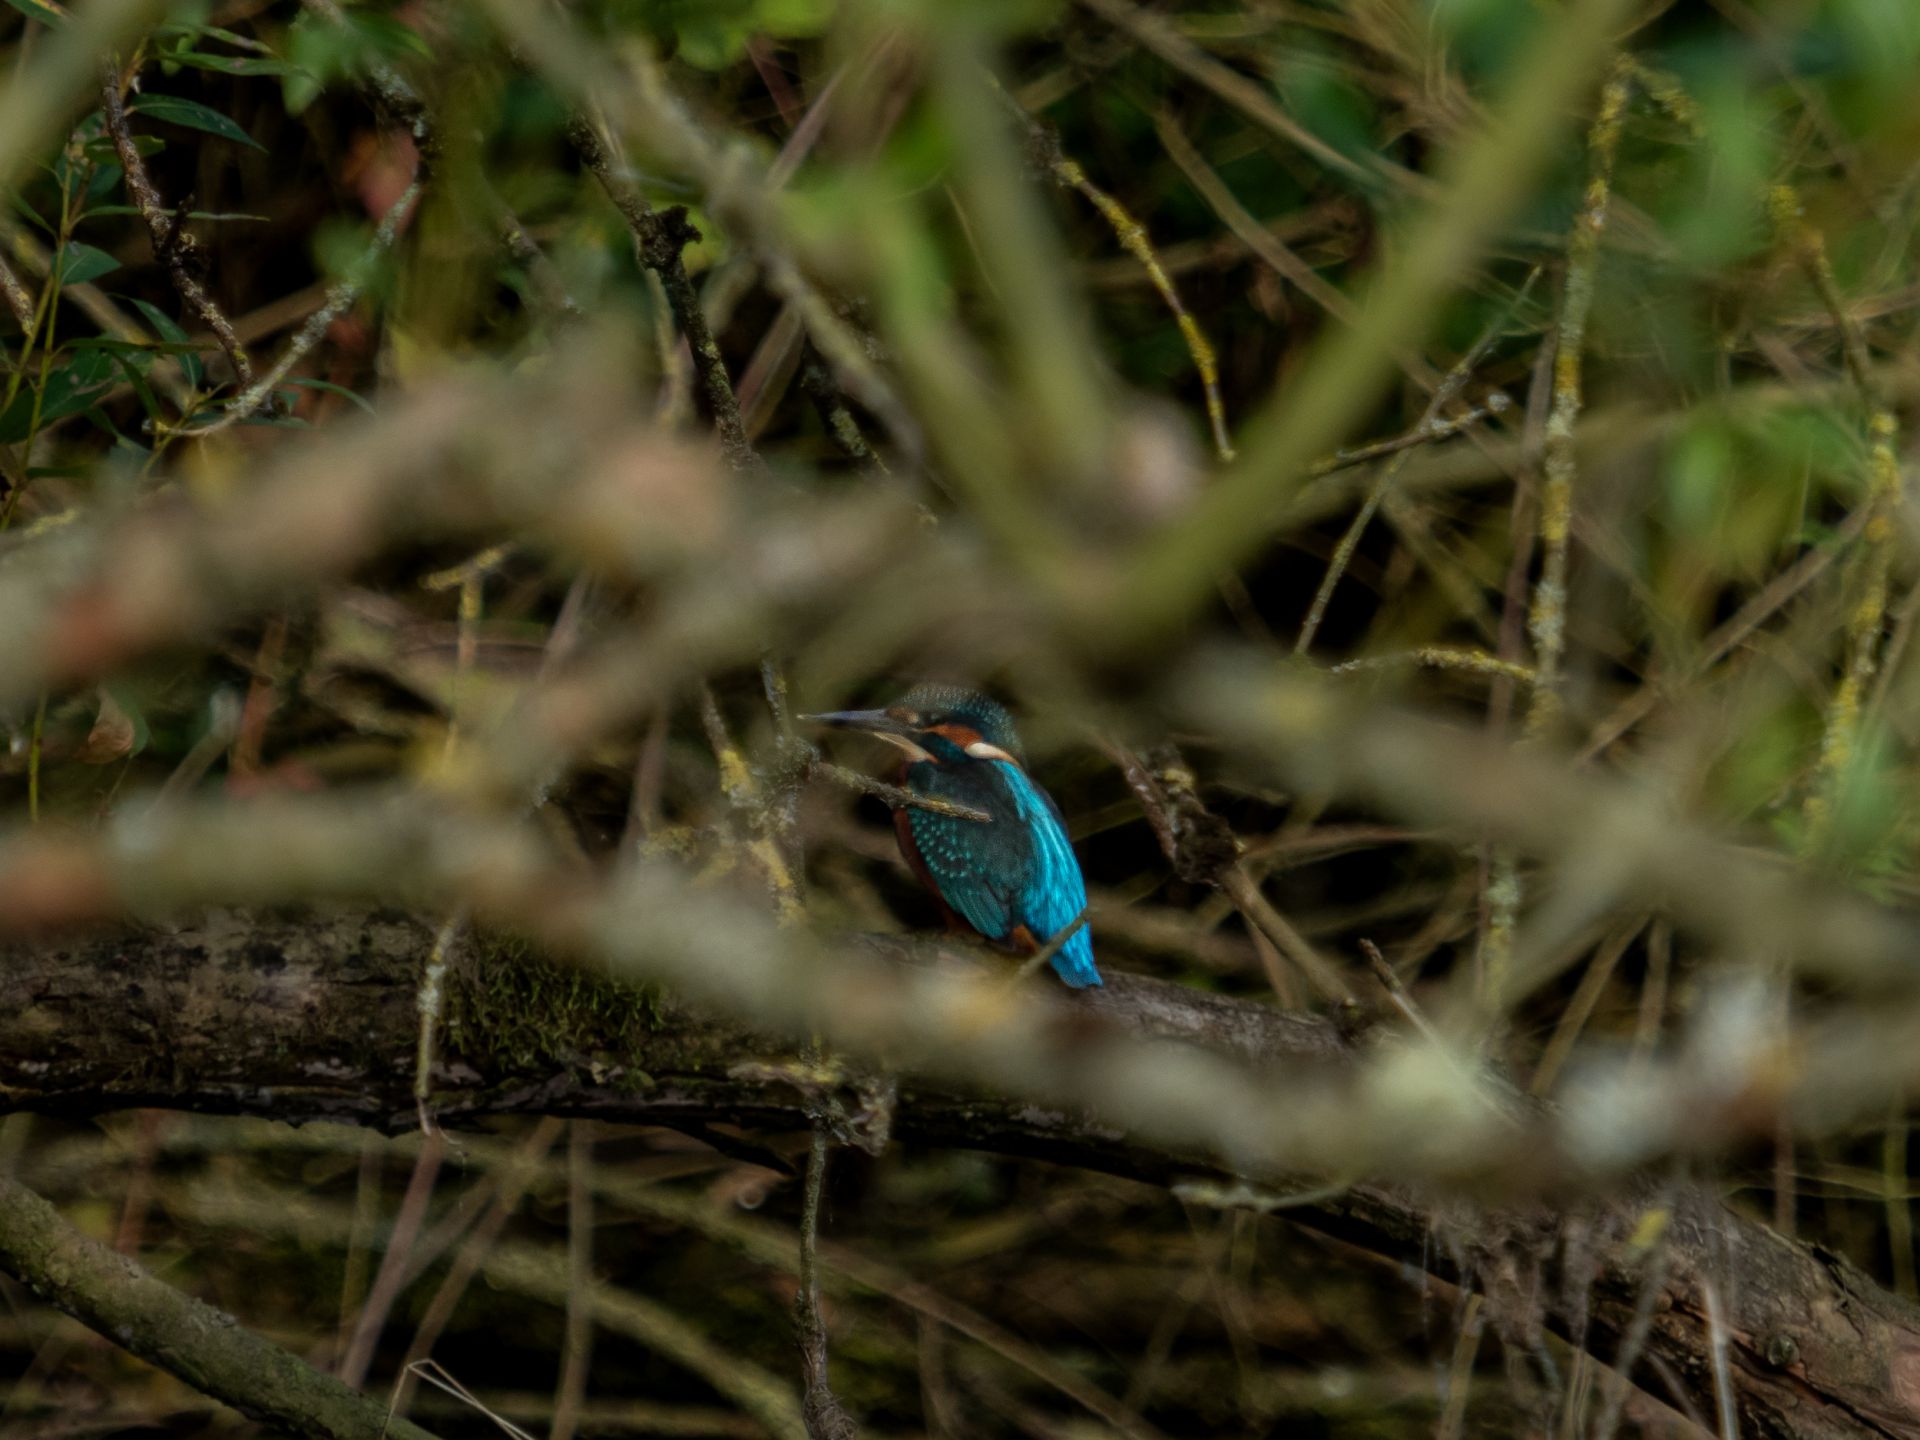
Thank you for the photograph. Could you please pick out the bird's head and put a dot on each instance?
(942, 723)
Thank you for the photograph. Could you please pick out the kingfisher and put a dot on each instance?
(1013, 877)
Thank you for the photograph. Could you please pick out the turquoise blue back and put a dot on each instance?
(1018, 869)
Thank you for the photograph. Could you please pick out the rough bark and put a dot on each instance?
(311, 1016)
(109, 1293)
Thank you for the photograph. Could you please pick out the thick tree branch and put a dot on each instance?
(312, 1017)
(107, 1292)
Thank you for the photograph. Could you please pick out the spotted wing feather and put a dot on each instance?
(1015, 871)
(977, 866)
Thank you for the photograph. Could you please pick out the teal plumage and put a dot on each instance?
(1013, 878)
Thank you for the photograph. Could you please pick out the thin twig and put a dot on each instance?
(1460, 585)
(764, 824)
(1249, 899)
(341, 297)
(1547, 613)
(1466, 1346)
(432, 1003)
(1580, 1009)
(392, 1275)
(1430, 427)
(1547, 621)
(1656, 1221)
(1772, 598)
(1397, 992)
(1052, 948)
(470, 576)
(438, 1376)
(735, 184)
(899, 797)
(578, 1346)
(536, 1272)
(816, 383)
(1717, 1348)
(173, 246)
(38, 259)
(394, 94)
(1203, 850)
(765, 1243)
(1867, 610)
(1044, 144)
(1267, 246)
(1442, 657)
(1810, 249)
(514, 1172)
(1424, 433)
(827, 1418)
(659, 238)
(1155, 33)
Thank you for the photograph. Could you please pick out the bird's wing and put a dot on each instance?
(1055, 892)
(979, 867)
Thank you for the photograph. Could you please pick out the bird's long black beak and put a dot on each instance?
(877, 722)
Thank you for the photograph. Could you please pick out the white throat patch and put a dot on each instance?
(981, 750)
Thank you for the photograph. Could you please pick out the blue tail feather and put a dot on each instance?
(1055, 892)
(1074, 961)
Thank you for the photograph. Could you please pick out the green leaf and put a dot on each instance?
(309, 383)
(712, 34)
(134, 368)
(231, 64)
(384, 37)
(106, 179)
(102, 151)
(261, 418)
(324, 51)
(45, 11)
(189, 33)
(70, 389)
(81, 263)
(191, 113)
(300, 89)
(208, 215)
(25, 211)
(135, 347)
(168, 329)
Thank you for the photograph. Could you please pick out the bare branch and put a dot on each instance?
(898, 796)
(659, 237)
(827, 1418)
(173, 246)
(107, 1292)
